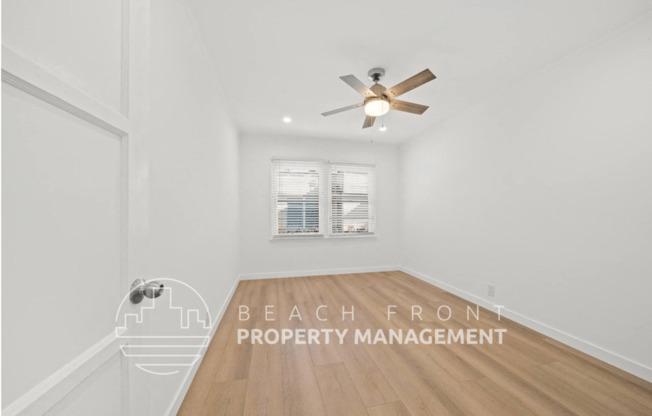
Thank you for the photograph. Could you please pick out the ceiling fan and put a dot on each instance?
(378, 100)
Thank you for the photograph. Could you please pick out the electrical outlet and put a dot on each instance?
(491, 290)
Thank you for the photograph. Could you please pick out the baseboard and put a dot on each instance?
(183, 389)
(617, 360)
(317, 272)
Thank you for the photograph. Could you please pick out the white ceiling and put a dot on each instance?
(283, 57)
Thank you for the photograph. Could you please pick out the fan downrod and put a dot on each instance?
(376, 74)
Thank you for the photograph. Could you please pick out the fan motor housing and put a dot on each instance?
(378, 89)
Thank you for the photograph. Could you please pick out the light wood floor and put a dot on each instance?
(529, 374)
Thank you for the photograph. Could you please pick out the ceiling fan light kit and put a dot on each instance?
(378, 100)
(376, 107)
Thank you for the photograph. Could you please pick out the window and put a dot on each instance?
(300, 207)
(352, 199)
(296, 198)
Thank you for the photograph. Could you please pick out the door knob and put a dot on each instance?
(141, 289)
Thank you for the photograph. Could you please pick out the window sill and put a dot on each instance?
(353, 235)
(297, 237)
(321, 236)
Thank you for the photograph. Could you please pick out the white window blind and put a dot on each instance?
(352, 200)
(297, 195)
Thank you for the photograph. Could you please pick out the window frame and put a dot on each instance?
(371, 201)
(324, 169)
(319, 167)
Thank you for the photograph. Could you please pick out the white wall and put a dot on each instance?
(193, 154)
(546, 192)
(261, 257)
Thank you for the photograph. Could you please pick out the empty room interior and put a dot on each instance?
(285, 207)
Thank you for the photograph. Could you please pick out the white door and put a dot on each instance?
(74, 201)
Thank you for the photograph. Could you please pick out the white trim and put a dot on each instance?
(317, 272)
(320, 237)
(610, 357)
(485, 303)
(352, 235)
(185, 385)
(297, 236)
(125, 60)
(135, 84)
(41, 83)
(53, 389)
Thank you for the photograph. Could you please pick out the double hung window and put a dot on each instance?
(318, 199)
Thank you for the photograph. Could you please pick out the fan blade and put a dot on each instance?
(339, 110)
(407, 107)
(410, 84)
(357, 85)
(368, 122)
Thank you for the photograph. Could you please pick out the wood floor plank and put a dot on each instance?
(497, 399)
(301, 392)
(640, 403)
(323, 353)
(601, 369)
(339, 392)
(587, 395)
(407, 381)
(300, 387)
(523, 388)
(225, 399)
(265, 394)
(389, 409)
(528, 375)
(373, 387)
(370, 382)
(265, 387)
(236, 368)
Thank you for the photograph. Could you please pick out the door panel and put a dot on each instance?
(80, 41)
(75, 177)
(98, 395)
(62, 238)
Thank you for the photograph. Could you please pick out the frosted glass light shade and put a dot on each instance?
(376, 107)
